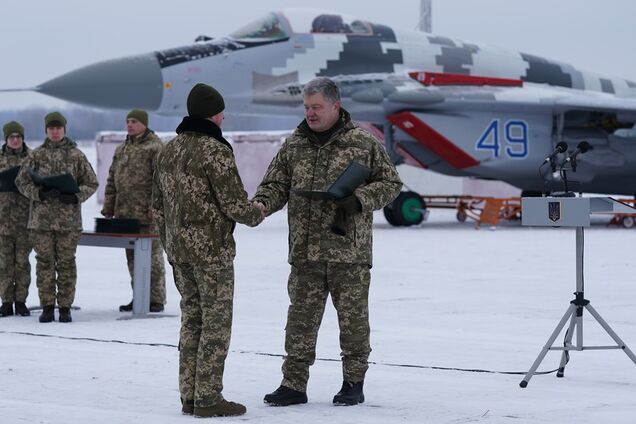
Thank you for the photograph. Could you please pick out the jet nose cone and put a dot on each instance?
(125, 83)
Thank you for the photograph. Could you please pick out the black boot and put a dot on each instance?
(65, 315)
(156, 307)
(6, 309)
(126, 308)
(187, 407)
(284, 396)
(21, 309)
(349, 394)
(47, 313)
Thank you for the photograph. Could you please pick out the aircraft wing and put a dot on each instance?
(502, 129)
(424, 90)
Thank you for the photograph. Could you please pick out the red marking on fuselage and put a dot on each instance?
(437, 78)
(433, 140)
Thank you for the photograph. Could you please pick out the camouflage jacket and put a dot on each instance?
(198, 196)
(54, 159)
(129, 183)
(14, 207)
(304, 164)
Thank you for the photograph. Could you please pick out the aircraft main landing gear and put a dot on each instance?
(406, 210)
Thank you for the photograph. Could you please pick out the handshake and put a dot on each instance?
(48, 194)
(261, 207)
(347, 206)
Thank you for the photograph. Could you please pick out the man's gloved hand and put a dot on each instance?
(48, 194)
(68, 199)
(350, 205)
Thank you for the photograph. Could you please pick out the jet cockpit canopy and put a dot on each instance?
(309, 21)
(278, 26)
(267, 28)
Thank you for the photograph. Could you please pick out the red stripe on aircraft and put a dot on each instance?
(437, 78)
(432, 140)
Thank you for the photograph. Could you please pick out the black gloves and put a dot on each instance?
(68, 199)
(349, 205)
(46, 194)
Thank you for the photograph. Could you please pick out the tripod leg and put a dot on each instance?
(547, 346)
(567, 343)
(611, 332)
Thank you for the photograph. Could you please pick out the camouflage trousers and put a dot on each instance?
(55, 270)
(15, 268)
(157, 272)
(206, 324)
(309, 285)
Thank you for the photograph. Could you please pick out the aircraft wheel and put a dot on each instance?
(408, 208)
(628, 221)
(389, 215)
(461, 216)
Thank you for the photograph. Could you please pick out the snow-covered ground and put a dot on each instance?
(443, 295)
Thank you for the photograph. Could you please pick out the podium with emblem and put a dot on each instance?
(572, 212)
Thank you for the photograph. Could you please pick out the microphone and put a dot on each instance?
(581, 148)
(561, 147)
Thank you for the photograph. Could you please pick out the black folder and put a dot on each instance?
(64, 183)
(351, 178)
(7, 179)
(118, 225)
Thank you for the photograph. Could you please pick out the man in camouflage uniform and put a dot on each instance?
(198, 197)
(55, 219)
(322, 261)
(15, 269)
(129, 192)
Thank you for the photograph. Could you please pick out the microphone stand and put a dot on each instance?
(574, 313)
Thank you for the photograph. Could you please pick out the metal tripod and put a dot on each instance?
(575, 315)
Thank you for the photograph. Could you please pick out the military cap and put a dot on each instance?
(12, 128)
(140, 115)
(204, 101)
(54, 119)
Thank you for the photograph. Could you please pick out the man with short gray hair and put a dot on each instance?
(323, 261)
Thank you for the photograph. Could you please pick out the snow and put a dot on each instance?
(442, 295)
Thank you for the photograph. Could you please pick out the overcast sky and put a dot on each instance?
(40, 40)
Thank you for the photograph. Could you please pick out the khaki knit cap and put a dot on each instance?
(12, 127)
(140, 115)
(54, 118)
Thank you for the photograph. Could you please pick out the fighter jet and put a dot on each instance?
(453, 107)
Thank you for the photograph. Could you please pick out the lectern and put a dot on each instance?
(572, 212)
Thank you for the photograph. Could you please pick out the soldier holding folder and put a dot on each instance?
(15, 269)
(57, 178)
(328, 256)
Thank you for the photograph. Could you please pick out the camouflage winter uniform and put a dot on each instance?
(323, 262)
(128, 195)
(15, 269)
(55, 227)
(198, 196)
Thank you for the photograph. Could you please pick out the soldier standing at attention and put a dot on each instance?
(322, 262)
(55, 219)
(129, 193)
(15, 269)
(198, 197)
